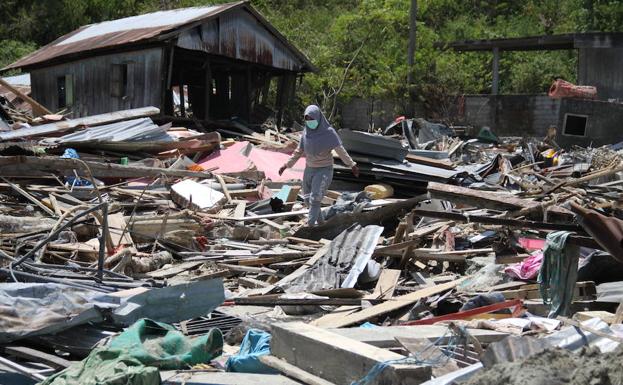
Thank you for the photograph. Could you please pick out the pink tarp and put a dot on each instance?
(232, 159)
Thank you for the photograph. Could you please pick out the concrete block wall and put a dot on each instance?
(512, 115)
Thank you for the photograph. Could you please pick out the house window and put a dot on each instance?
(65, 91)
(575, 125)
(119, 80)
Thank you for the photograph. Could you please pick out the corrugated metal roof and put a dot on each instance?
(18, 80)
(162, 19)
(146, 28)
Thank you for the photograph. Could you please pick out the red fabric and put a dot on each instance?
(232, 159)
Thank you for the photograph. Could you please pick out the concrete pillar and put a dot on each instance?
(496, 71)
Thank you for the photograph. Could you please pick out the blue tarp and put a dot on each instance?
(256, 343)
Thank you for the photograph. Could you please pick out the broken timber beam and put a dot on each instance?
(37, 108)
(490, 200)
(292, 371)
(308, 347)
(39, 166)
(515, 223)
(394, 304)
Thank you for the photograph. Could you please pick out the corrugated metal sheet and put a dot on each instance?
(346, 258)
(135, 130)
(161, 25)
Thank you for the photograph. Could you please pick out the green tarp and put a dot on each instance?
(136, 356)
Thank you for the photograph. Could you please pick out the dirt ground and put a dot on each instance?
(557, 367)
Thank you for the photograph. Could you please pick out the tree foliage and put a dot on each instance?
(360, 46)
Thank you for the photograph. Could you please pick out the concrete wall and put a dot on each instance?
(512, 115)
(361, 114)
(602, 68)
(603, 125)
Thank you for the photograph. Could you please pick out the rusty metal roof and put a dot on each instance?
(140, 29)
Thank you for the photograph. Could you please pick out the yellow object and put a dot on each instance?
(379, 191)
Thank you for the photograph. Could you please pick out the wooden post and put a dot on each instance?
(281, 90)
(496, 72)
(208, 91)
(182, 96)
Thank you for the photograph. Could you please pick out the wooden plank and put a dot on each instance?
(252, 283)
(293, 371)
(256, 217)
(223, 187)
(241, 208)
(308, 347)
(32, 199)
(276, 225)
(487, 199)
(39, 166)
(248, 269)
(119, 236)
(38, 356)
(395, 304)
(384, 288)
(37, 108)
(174, 270)
(224, 378)
(54, 204)
(446, 164)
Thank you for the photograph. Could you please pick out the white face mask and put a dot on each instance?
(311, 124)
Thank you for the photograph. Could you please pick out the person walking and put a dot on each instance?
(317, 143)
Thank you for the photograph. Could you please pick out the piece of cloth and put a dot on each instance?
(323, 159)
(483, 300)
(322, 138)
(70, 153)
(255, 343)
(526, 269)
(136, 356)
(348, 203)
(316, 182)
(558, 274)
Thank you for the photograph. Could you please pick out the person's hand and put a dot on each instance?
(282, 169)
(355, 170)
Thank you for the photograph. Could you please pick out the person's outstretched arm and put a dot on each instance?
(296, 155)
(348, 161)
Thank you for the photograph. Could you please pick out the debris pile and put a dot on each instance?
(184, 256)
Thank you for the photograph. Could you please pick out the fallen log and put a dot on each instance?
(41, 166)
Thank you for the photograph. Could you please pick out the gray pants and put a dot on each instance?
(316, 181)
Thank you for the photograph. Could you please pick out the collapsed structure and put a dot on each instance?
(211, 62)
(136, 249)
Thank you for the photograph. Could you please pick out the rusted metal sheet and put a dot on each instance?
(234, 30)
(607, 231)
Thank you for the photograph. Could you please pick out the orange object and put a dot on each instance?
(563, 89)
